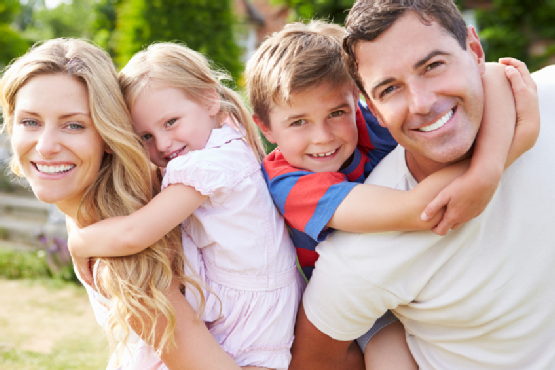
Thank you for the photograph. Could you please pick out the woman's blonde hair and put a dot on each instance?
(135, 284)
(176, 66)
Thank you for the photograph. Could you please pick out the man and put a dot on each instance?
(481, 296)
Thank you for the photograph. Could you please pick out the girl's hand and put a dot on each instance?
(81, 264)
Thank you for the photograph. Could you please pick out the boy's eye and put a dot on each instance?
(298, 123)
(337, 113)
(170, 122)
(145, 137)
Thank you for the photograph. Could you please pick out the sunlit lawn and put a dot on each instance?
(48, 324)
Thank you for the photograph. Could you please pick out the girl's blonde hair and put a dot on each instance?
(135, 284)
(176, 66)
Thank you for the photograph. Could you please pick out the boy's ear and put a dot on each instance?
(263, 128)
(474, 47)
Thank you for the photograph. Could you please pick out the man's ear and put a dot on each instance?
(263, 128)
(474, 46)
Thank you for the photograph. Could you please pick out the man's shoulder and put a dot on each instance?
(393, 172)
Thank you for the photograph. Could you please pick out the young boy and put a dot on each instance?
(305, 101)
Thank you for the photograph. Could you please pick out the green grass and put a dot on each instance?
(16, 264)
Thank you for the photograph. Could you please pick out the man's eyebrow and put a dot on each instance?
(417, 65)
(425, 60)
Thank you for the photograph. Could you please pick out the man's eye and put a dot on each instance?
(170, 122)
(146, 137)
(337, 113)
(386, 91)
(299, 122)
(433, 65)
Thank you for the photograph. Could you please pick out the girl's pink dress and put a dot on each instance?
(238, 244)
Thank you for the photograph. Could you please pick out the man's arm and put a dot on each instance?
(313, 349)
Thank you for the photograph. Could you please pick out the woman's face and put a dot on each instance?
(55, 141)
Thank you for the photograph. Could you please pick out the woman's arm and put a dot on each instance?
(126, 235)
(370, 208)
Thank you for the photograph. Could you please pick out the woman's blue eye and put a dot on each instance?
(75, 126)
(30, 122)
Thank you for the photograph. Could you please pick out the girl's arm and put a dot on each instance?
(369, 208)
(126, 235)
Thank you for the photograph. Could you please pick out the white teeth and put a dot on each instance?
(324, 154)
(439, 123)
(54, 169)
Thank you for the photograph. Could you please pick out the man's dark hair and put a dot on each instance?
(368, 19)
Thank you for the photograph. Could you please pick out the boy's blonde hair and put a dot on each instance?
(135, 284)
(297, 58)
(173, 65)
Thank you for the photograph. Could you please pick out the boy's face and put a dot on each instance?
(317, 132)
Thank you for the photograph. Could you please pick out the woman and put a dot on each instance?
(73, 141)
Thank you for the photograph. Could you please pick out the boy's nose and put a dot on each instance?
(323, 134)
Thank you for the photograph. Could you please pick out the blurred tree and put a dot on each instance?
(334, 10)
(11, 43)
(104, 24)
(203, 25)
(519, 28)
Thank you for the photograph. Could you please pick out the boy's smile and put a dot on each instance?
(317, 131)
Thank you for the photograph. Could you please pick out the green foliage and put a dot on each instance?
(511, 27)
(12, 44)
(334, 10)
(32, 265)
(203, 25)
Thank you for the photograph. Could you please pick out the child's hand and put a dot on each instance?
(526, 95)
(465, 198)
(82, 264)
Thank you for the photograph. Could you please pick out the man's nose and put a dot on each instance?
(421, 98)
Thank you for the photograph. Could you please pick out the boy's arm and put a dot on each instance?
(126, 235)
(468, 195)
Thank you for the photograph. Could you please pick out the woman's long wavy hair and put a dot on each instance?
(135, 284)
(168, 64)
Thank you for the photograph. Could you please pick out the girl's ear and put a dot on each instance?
(213, 99)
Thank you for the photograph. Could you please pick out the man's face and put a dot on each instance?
(317, 132)
(425, 89)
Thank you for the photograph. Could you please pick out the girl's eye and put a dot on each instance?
(145, 137)
(337, 113)
(170, 122)
(298, 123)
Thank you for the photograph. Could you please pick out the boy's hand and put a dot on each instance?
(525, 91)
(81, 264)
(465, 198)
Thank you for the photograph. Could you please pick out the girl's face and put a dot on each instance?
(55, 141)
(171, 124)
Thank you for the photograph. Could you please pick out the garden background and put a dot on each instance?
(45, 319)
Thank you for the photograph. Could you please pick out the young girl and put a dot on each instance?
(235, 239)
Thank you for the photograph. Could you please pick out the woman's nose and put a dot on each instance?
(48, 143)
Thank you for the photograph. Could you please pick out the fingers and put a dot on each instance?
(434, 207)
(521, 68)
